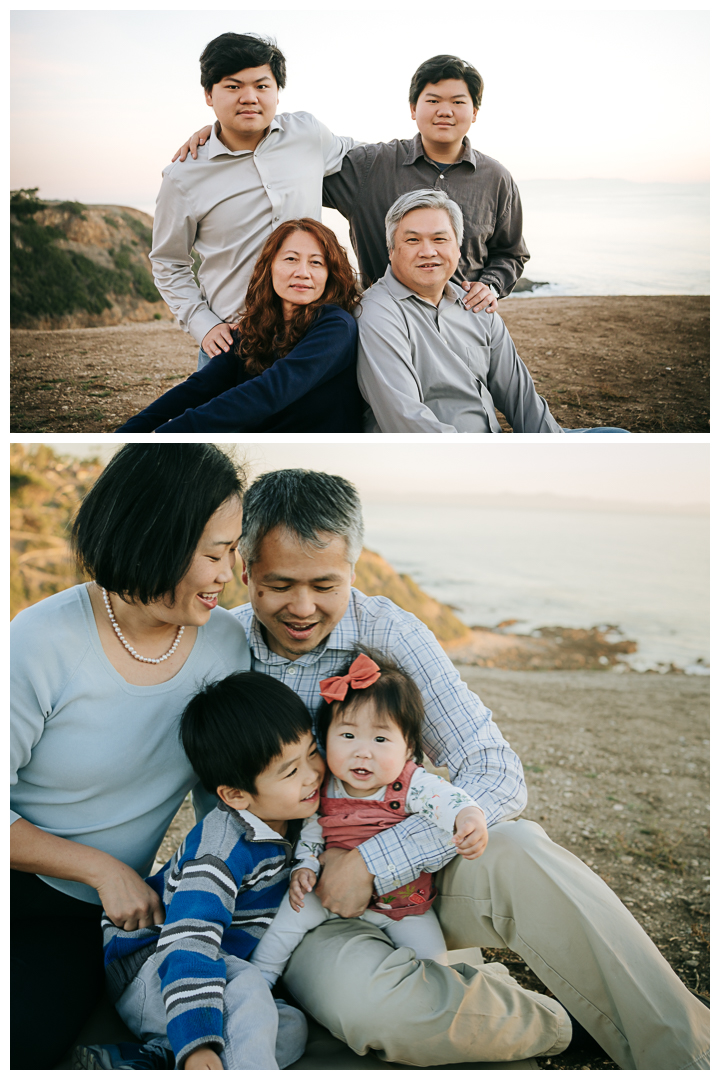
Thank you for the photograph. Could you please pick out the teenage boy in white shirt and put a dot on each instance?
(256, 170)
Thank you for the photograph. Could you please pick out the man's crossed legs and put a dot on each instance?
(530, 895)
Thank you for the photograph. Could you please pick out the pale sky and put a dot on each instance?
(667, 473)
(101, 99)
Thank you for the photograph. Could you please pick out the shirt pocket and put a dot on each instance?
(478, 360)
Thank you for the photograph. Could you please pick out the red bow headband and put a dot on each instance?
(363, 673)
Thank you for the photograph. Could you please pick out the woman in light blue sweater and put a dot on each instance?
(100, 675)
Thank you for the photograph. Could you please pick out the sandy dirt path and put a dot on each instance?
(638, 362)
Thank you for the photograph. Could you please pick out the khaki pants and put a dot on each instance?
(530, 895)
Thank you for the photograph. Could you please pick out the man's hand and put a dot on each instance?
(204, 1058)
(217, 340)
(198, 139)
(346, 884)
(301, 882)
(471, 835)
(479, 297)
(129, 901)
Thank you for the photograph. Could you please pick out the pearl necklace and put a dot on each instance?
(136, 655)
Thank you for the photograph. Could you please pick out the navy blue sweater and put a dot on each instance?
(313, 388)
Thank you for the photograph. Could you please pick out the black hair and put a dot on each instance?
(138, 527)
(305, 503)
(234, 728)
(394, 694)
(442, 67)
(230, 53)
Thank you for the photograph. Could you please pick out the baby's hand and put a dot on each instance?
(471, 835)
(301, 882)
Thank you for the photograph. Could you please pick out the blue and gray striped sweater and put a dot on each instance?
(221, 890)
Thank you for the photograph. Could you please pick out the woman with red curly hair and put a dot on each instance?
(292, 367)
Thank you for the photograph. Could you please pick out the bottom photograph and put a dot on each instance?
(343, 756)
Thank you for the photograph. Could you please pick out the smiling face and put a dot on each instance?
(289, 788)
(245, 104)
(426, 252)
(299, 271)
(298, 592)
(364, 749)
(444, 113)
(210, 570)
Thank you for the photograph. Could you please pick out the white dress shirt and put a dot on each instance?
(225, 204)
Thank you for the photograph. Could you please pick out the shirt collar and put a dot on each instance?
(341, 639)
(451, 292)
(418, 151)
(216, 148)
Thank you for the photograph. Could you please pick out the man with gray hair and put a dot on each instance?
(302, 532)
(425, 363)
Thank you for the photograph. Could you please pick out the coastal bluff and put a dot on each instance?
(73, 265)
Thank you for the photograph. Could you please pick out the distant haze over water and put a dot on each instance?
(616, 237)
(646, 573)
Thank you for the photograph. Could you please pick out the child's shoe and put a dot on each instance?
(123, 1056)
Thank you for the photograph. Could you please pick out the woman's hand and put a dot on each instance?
(198, 139)
(301, 882)
(346, 884)
(129, 902)
(204, 1058)
(471, 835)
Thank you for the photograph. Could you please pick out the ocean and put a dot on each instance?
(647, 574)
(616, 237)
(608, 237)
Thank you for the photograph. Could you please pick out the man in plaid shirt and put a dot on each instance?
(302, 534)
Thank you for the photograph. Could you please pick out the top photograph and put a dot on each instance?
(316, 222)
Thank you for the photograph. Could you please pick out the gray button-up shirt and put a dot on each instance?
(373, 176)
(427, 368)
(226, 204)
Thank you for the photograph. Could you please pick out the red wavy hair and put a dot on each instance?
(264, 334)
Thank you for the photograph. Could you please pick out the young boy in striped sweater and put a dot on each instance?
(186, 988)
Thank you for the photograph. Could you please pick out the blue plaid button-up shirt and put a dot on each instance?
(459, 731)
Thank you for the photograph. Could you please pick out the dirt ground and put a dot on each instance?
(638, 362)
(617, 772)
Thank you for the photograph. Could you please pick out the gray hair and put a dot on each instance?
(305, 503)
(424, 199)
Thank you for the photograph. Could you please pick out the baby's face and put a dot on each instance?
(365, 750)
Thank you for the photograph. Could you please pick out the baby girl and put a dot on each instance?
(371, 726)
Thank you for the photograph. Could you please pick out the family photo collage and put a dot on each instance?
(360, 453)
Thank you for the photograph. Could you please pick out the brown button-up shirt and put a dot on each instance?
(375, 174)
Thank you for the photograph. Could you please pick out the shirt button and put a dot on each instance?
(276, 218)
(291, 670)
(397, 786)
(394, 805)
(442, 177)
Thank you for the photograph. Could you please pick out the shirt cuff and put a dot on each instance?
(387, 875)
(202, 323)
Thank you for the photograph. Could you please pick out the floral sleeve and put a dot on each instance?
(436, 800)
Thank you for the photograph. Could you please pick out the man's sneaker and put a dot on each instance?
(123, 1056)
